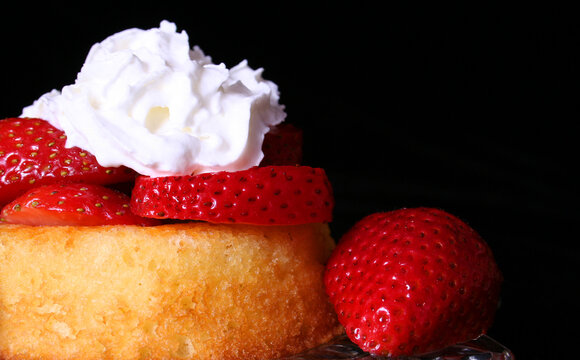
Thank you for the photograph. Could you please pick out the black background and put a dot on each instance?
(472, 109)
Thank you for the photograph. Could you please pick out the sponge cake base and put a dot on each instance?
(180, 291)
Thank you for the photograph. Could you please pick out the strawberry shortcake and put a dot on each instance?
(157, 209)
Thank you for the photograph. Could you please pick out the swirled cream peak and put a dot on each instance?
(146, 100)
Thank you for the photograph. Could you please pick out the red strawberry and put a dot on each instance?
(33, 152)
(413, 280)
(72, 204)
(273, 195)
(282, 146)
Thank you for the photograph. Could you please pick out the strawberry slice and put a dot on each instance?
(72, 204)
(33, 153)
(273, 195)
(282, 146)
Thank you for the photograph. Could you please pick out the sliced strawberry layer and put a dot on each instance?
(282, 146)
(33, 153)
(72, 204)
(272, 195)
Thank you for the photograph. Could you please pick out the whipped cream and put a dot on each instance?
(146, 100)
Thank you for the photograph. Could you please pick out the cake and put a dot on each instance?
(91, 268)
(178, 291)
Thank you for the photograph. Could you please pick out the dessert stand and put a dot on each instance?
(341, 348)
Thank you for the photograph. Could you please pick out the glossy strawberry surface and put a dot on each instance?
(270, 195)
(72, 204)
(33, 153)
(411, 281)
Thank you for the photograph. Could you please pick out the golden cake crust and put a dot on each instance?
(180, 291)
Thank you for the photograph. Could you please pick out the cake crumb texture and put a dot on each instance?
(181, 291)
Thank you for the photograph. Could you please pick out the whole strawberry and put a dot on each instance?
(411, 281)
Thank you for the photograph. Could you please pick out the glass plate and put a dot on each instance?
(341, 348)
